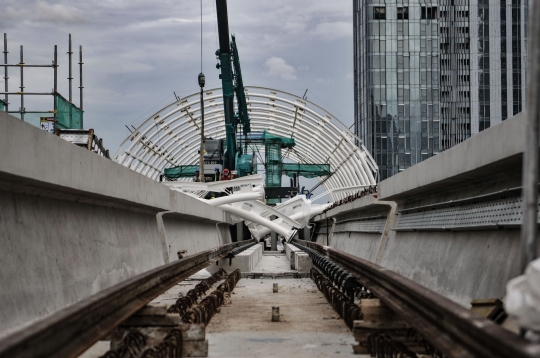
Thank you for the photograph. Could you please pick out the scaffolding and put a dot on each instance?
(65, 115)
(274, 161)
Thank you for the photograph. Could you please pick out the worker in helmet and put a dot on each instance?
(226, 174)
(197, 175)
(217, 174)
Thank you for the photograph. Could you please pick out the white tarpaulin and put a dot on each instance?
(523, 297)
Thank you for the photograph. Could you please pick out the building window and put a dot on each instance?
(379, 13)
(429, 12)
(403, 13)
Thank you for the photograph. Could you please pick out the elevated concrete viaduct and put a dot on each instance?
(450, 223)
(74, 223)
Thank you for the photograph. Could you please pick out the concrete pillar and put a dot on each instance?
(273, 241)
(240, 231)
(273, 237)
(304, 233)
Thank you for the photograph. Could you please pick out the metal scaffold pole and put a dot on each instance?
(201, 156)
(6, 77)
(529, 230)
(70, 76)
(55, 90)
(21, 64)
(80, 79)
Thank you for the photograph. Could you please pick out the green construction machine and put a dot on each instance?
(232, 152)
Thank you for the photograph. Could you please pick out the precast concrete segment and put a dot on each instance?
(464, 332)
(70, 331)
(469, 160)
(73, 223)
(462, 262)
(79, 174)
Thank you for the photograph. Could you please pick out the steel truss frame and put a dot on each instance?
(171, 136)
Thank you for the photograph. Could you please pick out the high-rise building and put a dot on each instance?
(430, 74)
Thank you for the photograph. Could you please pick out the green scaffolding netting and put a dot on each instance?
(2, 105)
(306, 170)
(68, 116)
(181, 171)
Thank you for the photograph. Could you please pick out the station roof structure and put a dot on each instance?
(171, 136)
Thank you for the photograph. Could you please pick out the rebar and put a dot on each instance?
(238, 250)
(345, 308)
(170, 347)
(205, 310)
(130, 346)
(342, 278)
(370, 190)
(184, 303)
(382, 346)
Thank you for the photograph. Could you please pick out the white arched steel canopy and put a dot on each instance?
(171, 136)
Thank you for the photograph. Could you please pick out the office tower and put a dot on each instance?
(428, 75)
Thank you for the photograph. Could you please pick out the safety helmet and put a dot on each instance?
(226, 171)
(216, 169)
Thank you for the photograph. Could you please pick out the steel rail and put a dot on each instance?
(70, 331)
(452, 329)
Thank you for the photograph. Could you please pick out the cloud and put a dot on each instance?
(279, 67)
(43, 12)
(333, 30)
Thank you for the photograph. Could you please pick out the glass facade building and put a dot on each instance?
(430, 74)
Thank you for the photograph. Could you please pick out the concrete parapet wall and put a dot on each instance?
(451, 222)
(73, 223)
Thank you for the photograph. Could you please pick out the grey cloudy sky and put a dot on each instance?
(136, 53)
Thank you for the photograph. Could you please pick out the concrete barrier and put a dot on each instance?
(450, 223)
(73, 223)
(290, 252)
(245, 261)
(299, 260)
(302, 262)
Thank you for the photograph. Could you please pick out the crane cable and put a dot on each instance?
(201, 36)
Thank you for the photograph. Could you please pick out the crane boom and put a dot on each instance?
(224, 54)
(231, 82)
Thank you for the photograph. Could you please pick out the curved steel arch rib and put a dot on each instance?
(170, 136)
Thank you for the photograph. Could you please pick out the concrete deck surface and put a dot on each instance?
(273, 263)
(309, 327)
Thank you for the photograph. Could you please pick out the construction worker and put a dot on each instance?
(197, 175)
(226, 175)
(217, 175)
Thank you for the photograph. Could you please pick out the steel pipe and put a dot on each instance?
(529, 229)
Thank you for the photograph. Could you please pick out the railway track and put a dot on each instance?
(428, 323)
(450, 329)
(69, 332)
